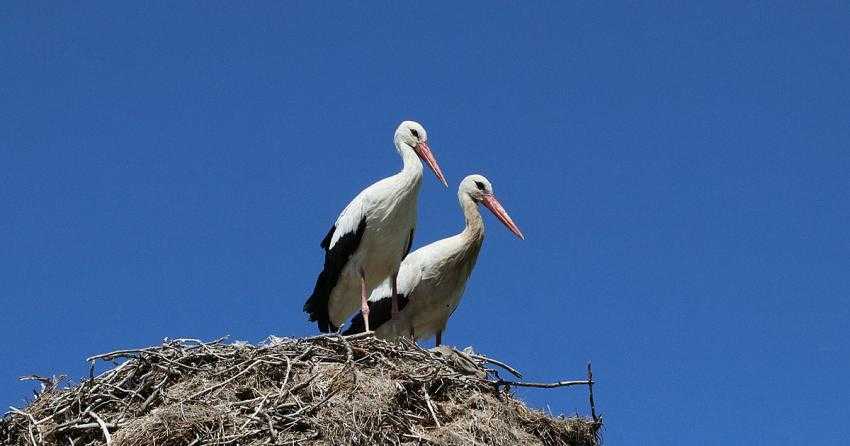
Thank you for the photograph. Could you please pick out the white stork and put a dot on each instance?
(371, 236)
(431, 279)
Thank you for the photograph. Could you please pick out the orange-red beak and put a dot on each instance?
(496, 208)
(425, 154)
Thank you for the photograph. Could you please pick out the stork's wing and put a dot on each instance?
(339, 244)
(456, 303)
(348, 222)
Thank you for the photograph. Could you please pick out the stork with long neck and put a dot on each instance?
(371, 236)
(432, 279)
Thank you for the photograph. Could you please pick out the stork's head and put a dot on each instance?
(414, 136)
(480, 190)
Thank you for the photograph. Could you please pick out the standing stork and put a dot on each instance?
(431, 279)
(371, 236)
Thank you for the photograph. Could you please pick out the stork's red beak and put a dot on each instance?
(425, 154)
(493, 204)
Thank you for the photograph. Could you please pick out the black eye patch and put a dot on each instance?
(479, 185)
(415, 133)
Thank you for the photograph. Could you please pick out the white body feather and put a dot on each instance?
(433, 279)
(389, 207)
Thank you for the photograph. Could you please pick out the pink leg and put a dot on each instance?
(394, 281)
(364, 301)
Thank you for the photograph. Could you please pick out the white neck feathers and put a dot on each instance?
(411, 163)
(474, 230)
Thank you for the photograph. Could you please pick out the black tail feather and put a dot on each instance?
(336, 258)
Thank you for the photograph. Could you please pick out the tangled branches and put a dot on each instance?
(324, 390)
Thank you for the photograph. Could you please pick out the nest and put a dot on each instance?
(324, 390)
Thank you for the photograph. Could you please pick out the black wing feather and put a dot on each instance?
(335, 260)
(380, 312)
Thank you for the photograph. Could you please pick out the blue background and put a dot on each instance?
(680, 172)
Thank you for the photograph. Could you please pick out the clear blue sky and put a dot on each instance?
(681, 172)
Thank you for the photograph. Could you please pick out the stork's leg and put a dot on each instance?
(439, 338)
(364, 301)
(394, 281)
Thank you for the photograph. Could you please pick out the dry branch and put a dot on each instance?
(502, 382)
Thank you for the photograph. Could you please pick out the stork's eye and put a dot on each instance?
(415, 133)
(479, 185)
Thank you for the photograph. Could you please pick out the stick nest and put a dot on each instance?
(324, 390)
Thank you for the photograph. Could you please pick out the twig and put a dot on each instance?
(204, 345)
(153, 394)
(82, 426)
(29, 428)
(223, 383)
(126, 353)
(272, 432)
(463, 439)
(502, 382)
(361, 335)
(513, 371)
(430, 405)
(111, 355)
(590, 387)
(102, 427)
(252, 417)
(303, 384)
(310, 408)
